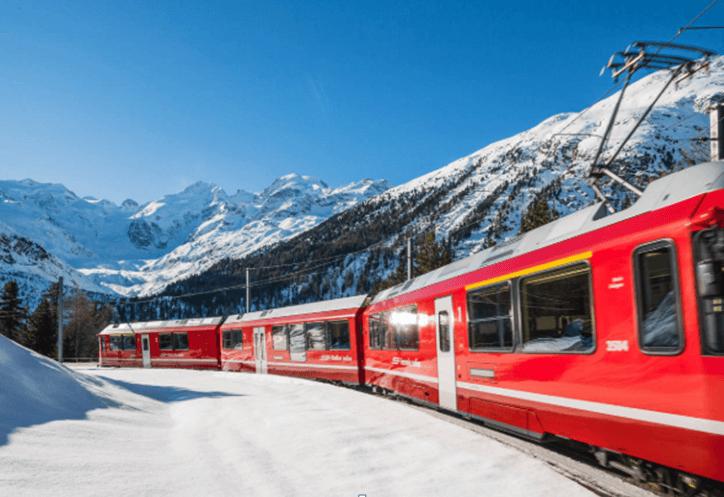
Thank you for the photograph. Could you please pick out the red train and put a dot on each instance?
(184, 343)
(607, 330)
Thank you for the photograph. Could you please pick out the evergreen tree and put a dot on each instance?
(42, 333)
(537, 215)
(432, 255)
(12, 313)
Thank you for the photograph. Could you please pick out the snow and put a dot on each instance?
(174, 432)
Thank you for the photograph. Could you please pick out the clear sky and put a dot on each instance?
(138, 99)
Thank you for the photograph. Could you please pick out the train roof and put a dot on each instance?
(297, 310)
(150, 326)
(663, 192)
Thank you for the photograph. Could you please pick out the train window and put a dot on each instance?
(660, 330)
(338, 335)
(556, 311)
(116, 342)
(489, 318)
(279, 336)
(377, 331)
(443, 326)
(232, 340)
(316, 336)
(180, 341)
(238, 339)
(297, 342)
(165, 341)
(129, 342)
(404, 325)
(709, 250)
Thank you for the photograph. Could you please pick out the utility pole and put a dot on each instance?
(60, 319)
(716, 120)
(248, 293)
(409, 258)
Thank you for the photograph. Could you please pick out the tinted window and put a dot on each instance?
(227, 343)
(129, 342)
(279, 337)
(116, 342)
(556, 311)
(297, 342)
(489, 318)
(404, 323)
(165, 341)
(237, 339)
(443, 328)
(338, 335)
(377, 331)
(180, 341)
(316, 336)
(659, 329)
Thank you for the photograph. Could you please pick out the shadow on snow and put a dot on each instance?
(166, 394)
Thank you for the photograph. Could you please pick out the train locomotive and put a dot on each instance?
(606, 330)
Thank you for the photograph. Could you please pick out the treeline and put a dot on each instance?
(83, 318)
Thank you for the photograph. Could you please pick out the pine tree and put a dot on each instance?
(432, 255)
(537, 215)
(12, 313)
(42, 334)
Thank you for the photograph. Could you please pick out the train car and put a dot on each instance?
(118, 347)
(185, 343)
(603, 329)
(318, 340)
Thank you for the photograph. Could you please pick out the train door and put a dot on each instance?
(101, 349)
(260, 350)
(146, 351)
(444, 319)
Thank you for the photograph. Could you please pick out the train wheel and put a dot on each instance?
(687, 485)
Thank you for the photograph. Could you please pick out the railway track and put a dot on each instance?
(569, 460)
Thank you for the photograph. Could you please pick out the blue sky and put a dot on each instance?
(137, 99)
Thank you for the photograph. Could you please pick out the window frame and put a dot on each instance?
(638, 295)
(285, 331)
(519, 347)
(391, 330)
(174, 341)
(328, 330)
(514, 300)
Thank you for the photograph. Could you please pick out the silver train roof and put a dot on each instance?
(150, 326)
(296, 310)
(662, 192)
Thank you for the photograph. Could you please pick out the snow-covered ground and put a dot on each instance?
(165, 432)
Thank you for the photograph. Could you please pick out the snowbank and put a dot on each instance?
(35, 389)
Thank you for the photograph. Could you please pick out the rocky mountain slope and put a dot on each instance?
(47, 231)
(482, 196)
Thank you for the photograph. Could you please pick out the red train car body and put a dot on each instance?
(318, 340)
(185, 343)
(607, 330)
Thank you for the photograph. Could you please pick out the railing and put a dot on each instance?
(80, 359)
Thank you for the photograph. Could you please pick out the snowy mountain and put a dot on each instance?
(485, 194)
(202, 238)
(46, 230)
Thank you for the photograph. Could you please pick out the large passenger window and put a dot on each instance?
(316, 336)
(489, 318)
(233, 339)
(279, 337)
(129, 342)
(395, 329)
(404, 322)
(556, 311)
(338, 335)
(165, 341)
(659, 319)
(116, 342)
(297, 342)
